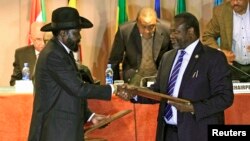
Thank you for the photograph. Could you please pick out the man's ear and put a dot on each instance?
(62, 33)
(190, 33)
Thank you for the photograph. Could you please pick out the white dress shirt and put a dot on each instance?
(241, 37)
(189, 51)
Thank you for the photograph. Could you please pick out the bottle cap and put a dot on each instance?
(109, 65)
(26, 64)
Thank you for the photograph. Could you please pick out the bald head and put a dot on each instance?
(36, 35)
(146, 21)
(147, 14)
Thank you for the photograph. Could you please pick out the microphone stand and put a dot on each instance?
(238, 69)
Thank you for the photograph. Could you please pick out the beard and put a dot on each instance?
(73, 45)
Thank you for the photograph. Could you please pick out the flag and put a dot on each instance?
(158, 8)
(78, 54)
(37, 13)
(181, 6)
(122, 12)
(217, 2)
(72, 3)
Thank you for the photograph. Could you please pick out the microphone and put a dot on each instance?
(238, 69)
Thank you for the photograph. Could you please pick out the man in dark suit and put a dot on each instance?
(60, 108)
(204, 79)
(139, 46)
(28, 54)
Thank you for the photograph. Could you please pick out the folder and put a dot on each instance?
(106, 122)
(145, 92)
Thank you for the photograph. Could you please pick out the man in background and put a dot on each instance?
(138, 46)
(231, 22)
(29, 53)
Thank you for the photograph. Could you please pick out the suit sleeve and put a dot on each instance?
(64, 73)
(17, 72)
(117, 53)
(212, 32)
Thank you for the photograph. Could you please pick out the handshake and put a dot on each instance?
(125, 91)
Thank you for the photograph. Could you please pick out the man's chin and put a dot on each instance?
(175, 46)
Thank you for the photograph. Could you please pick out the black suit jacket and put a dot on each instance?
(210, 92)
(60, 107)
(23, 55)
(127, 48)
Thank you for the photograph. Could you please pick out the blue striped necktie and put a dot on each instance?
(171, 84)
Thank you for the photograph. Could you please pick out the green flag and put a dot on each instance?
(181, 6)
(122, 12)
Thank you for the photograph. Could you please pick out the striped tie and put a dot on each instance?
(171, 84)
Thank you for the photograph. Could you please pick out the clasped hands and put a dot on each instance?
(126, 92)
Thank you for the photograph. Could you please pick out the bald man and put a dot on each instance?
(28, 54)
(139, 46)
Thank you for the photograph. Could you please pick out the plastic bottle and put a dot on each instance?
(25, 72)
(109, 74)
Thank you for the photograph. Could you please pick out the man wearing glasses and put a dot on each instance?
(138, 47)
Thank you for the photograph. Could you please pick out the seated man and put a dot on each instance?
(29, 53)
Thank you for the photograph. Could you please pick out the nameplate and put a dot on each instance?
(241, 88)
(24, 86)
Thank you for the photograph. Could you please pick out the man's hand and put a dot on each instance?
(97, 118)
(183, 107)
(125, 92)
(229, 55)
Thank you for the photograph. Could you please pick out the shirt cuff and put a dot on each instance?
(90, 118)
(113, 88)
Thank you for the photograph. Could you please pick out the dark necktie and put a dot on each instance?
(171, 84)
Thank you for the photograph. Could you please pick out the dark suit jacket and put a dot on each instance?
(211, 92)
(23, 55)
(60, 107)
(127, 40)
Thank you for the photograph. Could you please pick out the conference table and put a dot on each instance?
(139, 125)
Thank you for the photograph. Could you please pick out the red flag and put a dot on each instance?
(34, 12)
(78, 55)
(37, 13)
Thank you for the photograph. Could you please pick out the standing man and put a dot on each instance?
(60, 108)
(231, 22)
(28, 54)
(139, 46)
(197, 73)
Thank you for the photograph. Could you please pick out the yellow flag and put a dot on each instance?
(72, 3)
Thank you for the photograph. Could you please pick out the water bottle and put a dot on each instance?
(25, 72)
(109, 74)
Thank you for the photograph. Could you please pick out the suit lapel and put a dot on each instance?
(192, 63)
(31, 57)
(168, 62)
(136, 38)
(158, 39)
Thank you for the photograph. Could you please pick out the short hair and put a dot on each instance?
(190, 21)
(146, 11)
